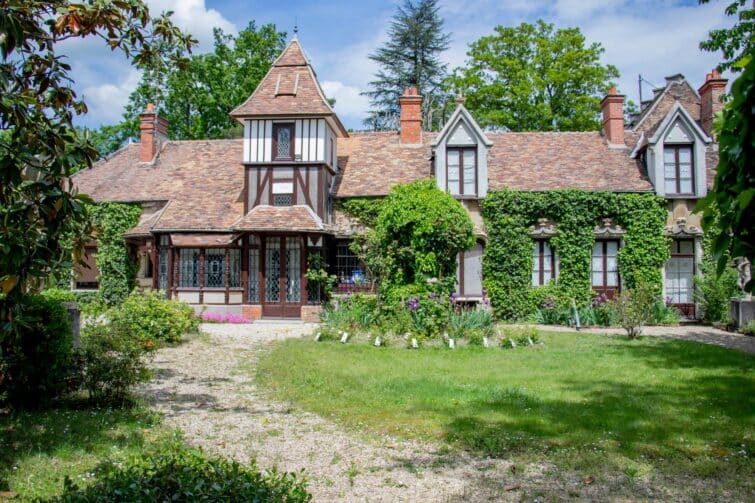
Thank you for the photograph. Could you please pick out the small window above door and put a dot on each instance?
(283, 142)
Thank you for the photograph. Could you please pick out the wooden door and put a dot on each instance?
(283, 276)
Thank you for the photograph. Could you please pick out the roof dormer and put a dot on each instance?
(461, 157)
(676, 160)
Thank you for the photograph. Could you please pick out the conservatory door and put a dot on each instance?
(282, 274)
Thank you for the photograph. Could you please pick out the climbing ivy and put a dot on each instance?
(364, 209)
(507, 262)
(117, 269)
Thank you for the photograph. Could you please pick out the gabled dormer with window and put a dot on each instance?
(461, 157)
(675, 156)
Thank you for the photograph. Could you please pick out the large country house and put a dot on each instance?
(229, 224)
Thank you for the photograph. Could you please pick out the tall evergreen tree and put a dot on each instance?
(409, 58)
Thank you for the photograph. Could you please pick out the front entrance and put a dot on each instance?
(282, 276)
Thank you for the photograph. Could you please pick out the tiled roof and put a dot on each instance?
(546, 161)
(289, 88)
(202, 180)
(280, 218)
(372, 163)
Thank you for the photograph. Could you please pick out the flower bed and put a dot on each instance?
(223, 318)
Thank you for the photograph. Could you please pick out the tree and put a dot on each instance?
(40, 147)
(418, 233)
(729, 207)
(734, 42)
(197, 99)
(410, 58)
(532, 78)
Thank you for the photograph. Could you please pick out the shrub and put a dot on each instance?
(59, 295)
(36, 357)
(352, 313)
(112, 359)
(634, 308)
(520, 336)
(749, 329)
(152, 317)
(177, 473)
(664, 314)
(471, 324)
(713, 292)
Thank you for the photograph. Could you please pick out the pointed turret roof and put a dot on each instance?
(290, 89)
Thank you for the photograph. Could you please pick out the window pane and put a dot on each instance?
(535, 249)
(214, 268)
(669, 171)
(535, 278)
(283, 143)
(669, 155)
(685, 171)
(685, 185)
(188, 268)
(453, 172)
(162, 268)
(612, 279)
(597, 278)
(670, 186)
(611, 264)
(283, 199)
(686, 247)
(293, 269)
(546, 276)
(597, 249)
(612, 247)
(234, 279)
(469, 171)
(272, 269)
(254, 277)
(685, 155)
(597, 264)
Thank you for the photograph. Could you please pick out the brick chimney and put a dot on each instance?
(154, 131)
(411, 116)
(710, 99)
(613, 117)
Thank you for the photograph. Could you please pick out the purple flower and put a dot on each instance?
(223, 318)
(413, 303)
(433, 295)
(454, 296)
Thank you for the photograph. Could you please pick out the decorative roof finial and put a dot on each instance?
(460, 99)
(296, 28)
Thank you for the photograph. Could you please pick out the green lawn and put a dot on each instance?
(586, 402)
(38, 449)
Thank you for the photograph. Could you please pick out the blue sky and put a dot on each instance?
(652, 37)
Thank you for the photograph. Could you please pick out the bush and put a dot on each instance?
(713, 293)
(634, 308)
(36, 358)
(112, 360)
(472, 325)
(59, 295)
(519, 336)
(177, 473)
(749, 329)
(152, 317)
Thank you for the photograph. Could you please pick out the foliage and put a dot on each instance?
(430, 314)
(36, 358)
(735, 42)
(153, 318)
(749, 329)
(364, 209)
(117, 269)
(633, 308)
(592, 403)
(89, 303)
(112, 360)
(197, 97)
(730, 204)
(507, 262)
(40, 447)
(319, 281)
(179, 473)
(519, 336)
(39, 147)
(713, 290)
(417, 235)
(532, 78)
(410, 57)
(472, 324)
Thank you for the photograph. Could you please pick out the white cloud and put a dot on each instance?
(107, 101)
(349, 103)
(194, 17)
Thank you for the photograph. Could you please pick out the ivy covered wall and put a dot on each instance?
(507, 263)
(117, 269)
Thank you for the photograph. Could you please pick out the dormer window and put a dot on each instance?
(283, 142)
(678, 170)
(461, 171)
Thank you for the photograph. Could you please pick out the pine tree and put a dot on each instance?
(409, 58)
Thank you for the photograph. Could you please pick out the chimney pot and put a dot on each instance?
(612, 107)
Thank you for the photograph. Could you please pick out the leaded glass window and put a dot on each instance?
(254, 276)
(283, 199)
(680, 272)
(293, 269)
(283, 134)
(188, 268)
(461, 171)
(162, 268)
(234, 276)
(214, 268)
(272, 269)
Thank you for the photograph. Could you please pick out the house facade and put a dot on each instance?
(230, 224)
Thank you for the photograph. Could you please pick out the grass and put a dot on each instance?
(38, 449)
(587, 402)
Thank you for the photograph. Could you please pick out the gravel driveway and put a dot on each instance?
(200, 389)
